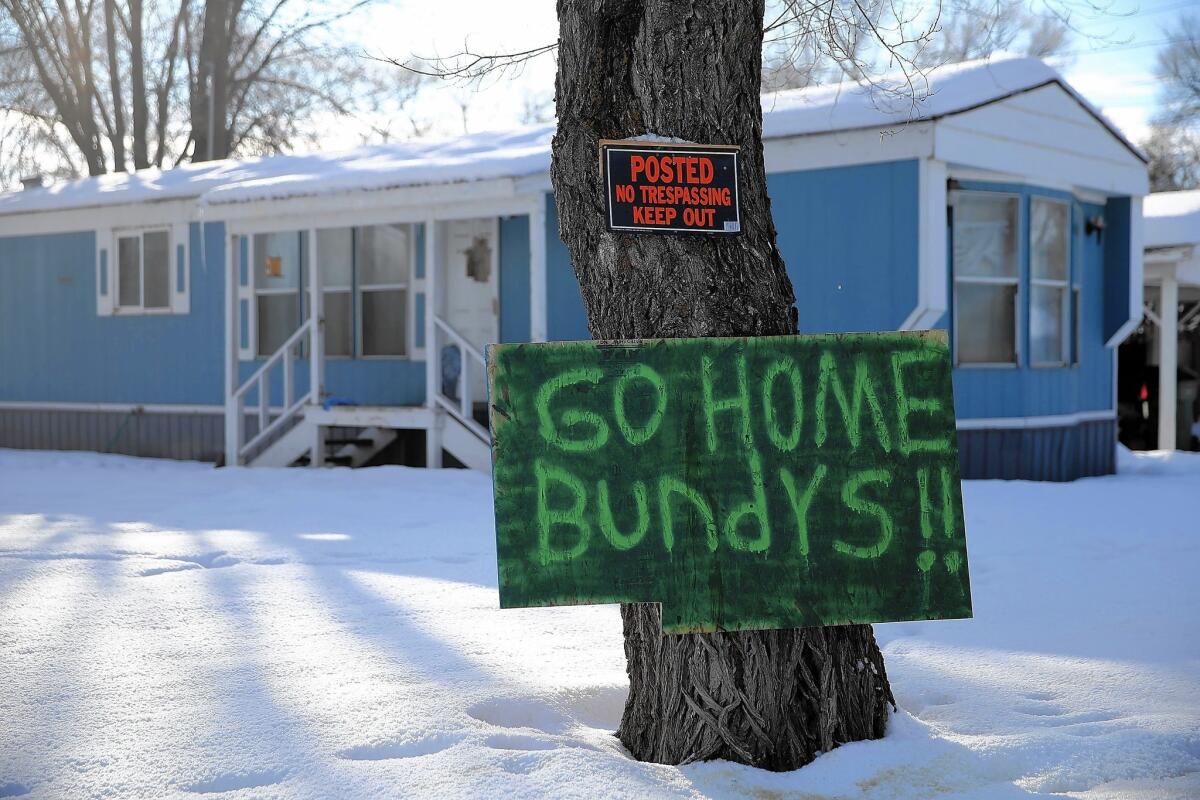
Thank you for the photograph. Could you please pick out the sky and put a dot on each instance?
(1110, 60)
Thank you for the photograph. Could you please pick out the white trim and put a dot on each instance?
(1033, 181)
(149, 408)
(1166, 255)
(1050, 421)
(1168, 363)
(233, 436)
(932, 259)
(146, 213)
(1064, 284)
(957, 143)
(360, 208)
(1019, 320)
(114, 257)
(538, 309)
(1136, 275)
(901, 142)
(433, 271)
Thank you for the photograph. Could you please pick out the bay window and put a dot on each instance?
(382, 263)
(277, 282)
(986, 247)
(365, 274)
(1049, 275)
(335, 254)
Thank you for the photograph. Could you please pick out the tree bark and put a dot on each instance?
(114, 81)
(691, 69)
(137, 80)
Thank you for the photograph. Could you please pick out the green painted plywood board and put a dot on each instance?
(772, 482)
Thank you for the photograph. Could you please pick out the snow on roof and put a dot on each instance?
(1172, 218)
(821, 109)
(950, 89)
(476, 157)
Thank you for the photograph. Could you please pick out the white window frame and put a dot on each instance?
(300, 290)
(327, 289)
(978, 280)
(251, 292)
(409, 303)
(1065, 284)
(114, 270)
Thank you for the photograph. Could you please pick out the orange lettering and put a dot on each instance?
(636, 165)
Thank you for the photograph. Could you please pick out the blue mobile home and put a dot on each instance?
(173, 313)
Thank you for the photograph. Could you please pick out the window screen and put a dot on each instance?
(382, 256)
(277, 285)
(986, 234)
(129, 271)
(384, 322)
(156, 269)
(278, 318)
(1049, 271)
(335, 254)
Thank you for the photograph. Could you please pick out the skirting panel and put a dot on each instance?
(190, 436)
(1040, 454)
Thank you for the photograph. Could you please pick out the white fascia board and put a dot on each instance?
(1037, 165)
(847, 148)
(1136, 275)
(534, 183)
(961, 173)
(931, 246)
(538, 309)
(74, 220)
(403, 204)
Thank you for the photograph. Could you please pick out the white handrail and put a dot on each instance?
(259, 380)
(462, 407)
(458, 338)
(296, 336)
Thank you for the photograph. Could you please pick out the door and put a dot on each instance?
(471, 289)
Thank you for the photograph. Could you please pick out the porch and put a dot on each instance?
(344, 334)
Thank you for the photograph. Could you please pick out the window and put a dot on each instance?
(986, 235)
(1049, 275)
(382, 262)
(365, 282)
(335, 254)
(143, 271)
(277, 280)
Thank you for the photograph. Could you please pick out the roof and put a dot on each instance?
(947, 90)
(1171, 219)
(822, 109)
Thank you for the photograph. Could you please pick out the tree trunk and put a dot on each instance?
(691, 69)
(137, 87)
(209, 97)
(114, 83)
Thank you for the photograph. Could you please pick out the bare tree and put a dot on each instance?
(537, 108)
(1174, 152)
(869, 32)
(1179, 71)
(110, 85)
(1174, 141)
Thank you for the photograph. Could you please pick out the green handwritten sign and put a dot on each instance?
(773, 482)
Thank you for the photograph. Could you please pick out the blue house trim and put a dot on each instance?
(1025, 390)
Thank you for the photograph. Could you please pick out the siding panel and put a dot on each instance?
(178, 436)
(849, 238)
(1041, 454)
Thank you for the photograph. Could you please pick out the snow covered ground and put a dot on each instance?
(172, 630)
